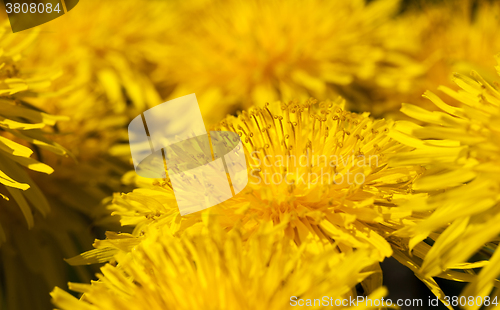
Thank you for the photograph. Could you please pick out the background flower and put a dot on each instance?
(34, 234)
(243, 53)
(119, 58)
(22, 125)
(91, 77)
(106, 82)
(444, 37)
(320, 212)
(217, 270)
(460, 144)
(106, 69)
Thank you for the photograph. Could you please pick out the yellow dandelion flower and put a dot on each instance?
(315, 168)
(240, 53)
(218, 270)
(459, 144)
(464, 35)
(106, 81)
(310, 172)
(106, 69)
(35, 234)
(104, 78)
(452, 36)
(23, 126)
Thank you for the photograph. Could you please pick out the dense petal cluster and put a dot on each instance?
(330, 194)
(35, 234)
(218, 270)
(107, 67)
(23, 131)
(460, 144)
(310, 173)
(106, 81)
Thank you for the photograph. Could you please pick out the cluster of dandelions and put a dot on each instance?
(28, 218)
(401, 209)
(218, 270)
(436, 181)
(427, 187)
(239, 54)
(433, 182)
(463, 177)
(325, 223)
(326, 219)
(49, 100)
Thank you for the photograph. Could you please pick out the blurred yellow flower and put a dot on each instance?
(459, 144)
(106, 69)
(319, 171)
(234, 54)
(217, 270)
(444, 37)
(105, 66)
(105, 83)
(464, 36)
(35, 234)
(22, 127)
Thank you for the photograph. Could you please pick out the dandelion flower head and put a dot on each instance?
(242, 53)
(218, 270)
(309, 172)
(462, 178)
(445, 37)
(24, 131)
